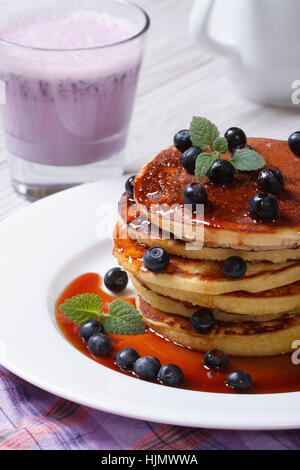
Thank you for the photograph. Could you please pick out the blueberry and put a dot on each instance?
(116, 279)
(99, 344)
(147, 367)
(270, 181)
(294, 143)
(203, 321)
(239, 380)
(170, 374)
(182, 140)
(215, 360)
(234, 267)
(264, 207)
(241, 147)
(221, 173)
(235, 137)
(156, 259)
(126, 358)
(129, 186)
(194, 194)
(188, 159)
(90, 328)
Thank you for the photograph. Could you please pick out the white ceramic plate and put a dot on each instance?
(42, 249)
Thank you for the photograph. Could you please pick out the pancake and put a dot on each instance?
(201, 276)
(245, 339)
(274, 301)
(186, 309)
(226, 223)
(141, 230)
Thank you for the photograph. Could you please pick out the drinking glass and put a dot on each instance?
(66, 110)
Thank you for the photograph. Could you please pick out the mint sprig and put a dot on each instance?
(247, 160)
(204, 162)
(82, 307)
(205, 134)
(220, 145)
(123, 317)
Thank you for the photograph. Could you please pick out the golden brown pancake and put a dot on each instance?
(141, 230)
(246, 339)
(201, 276)
(186, 309)
(226, 222)
(274, 301)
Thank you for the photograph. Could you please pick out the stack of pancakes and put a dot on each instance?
(257, 315)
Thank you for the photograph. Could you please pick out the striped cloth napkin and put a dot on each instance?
(31, 419)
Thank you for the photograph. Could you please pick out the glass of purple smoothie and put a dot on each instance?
(69, 71)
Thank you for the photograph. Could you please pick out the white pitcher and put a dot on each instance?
(262, 57)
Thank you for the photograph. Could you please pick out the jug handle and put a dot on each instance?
(198, 30)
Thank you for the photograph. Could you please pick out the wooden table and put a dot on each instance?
(177, 82)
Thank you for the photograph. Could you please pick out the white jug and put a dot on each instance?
(262, 56)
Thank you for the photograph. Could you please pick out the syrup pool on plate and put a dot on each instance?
(70, 80)
(270, 374)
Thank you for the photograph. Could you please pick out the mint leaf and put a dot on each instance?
(204, 162)
(247, 160)
(82, 307)
(220, 145)
(203, 132)
(123, 319)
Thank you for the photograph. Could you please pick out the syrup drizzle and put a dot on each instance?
(270, 375)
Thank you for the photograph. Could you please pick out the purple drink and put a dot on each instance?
(70, 80)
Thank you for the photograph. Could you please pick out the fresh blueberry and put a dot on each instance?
(264, 207)
(99, 344)
(188, 159)
(235, 137)
(294, 143)
(170, 374)
(116, 279)
(126, 358)
(239, 380)
(203, 321)
(270, 181)
(90, 328)
(215, 360)
(147, 367)
(194, 193)
(129, 186)
(241, 147)
(221, 173)
(235, 267)
(156, 259)
(182, 140)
